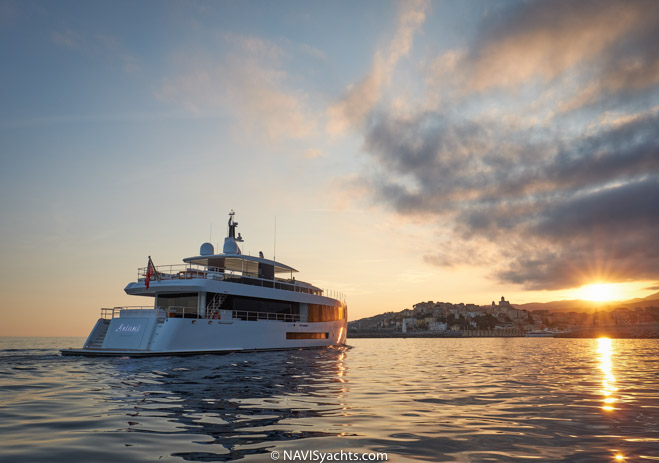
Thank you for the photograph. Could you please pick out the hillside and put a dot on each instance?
(556, 307)
(589, 306)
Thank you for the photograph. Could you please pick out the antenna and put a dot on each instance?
(274, 252)
(210, 237)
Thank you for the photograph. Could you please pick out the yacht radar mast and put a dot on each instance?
(231, 241)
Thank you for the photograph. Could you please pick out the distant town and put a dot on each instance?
(637, 318)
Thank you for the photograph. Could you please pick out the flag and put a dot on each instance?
(150, 271)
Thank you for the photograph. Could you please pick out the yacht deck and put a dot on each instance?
(196, 271)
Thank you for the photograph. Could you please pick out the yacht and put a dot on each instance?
(219, 303)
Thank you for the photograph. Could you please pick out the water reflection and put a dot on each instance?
(442, 400)
(230, 407)
(605, 349)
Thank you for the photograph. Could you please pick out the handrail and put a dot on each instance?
(247, 315)
(108, 313)
(197, 271)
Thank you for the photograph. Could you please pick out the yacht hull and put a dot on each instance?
(148, 336)
(135, 354)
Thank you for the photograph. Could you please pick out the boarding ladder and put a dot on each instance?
(214, 305)
(99, 335)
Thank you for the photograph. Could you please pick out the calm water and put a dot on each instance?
(469, 400)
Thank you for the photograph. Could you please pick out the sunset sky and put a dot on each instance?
(408, 151)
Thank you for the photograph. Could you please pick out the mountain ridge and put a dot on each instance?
(580, 305)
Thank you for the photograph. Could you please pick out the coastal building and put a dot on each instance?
(445, 316)
(423, 308)
(503, 306)
(409, 322)
(437, 326)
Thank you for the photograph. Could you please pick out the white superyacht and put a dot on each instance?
(219, 303)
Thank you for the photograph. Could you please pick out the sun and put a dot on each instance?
(598, 292)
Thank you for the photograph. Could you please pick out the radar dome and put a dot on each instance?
(230, 246)
(206, 250)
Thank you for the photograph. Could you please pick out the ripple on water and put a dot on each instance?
(416, 399)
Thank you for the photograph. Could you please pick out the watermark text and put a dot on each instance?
(321, 457)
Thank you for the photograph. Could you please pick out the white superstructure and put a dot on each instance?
(217, 303)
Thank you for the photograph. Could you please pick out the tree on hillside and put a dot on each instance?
(485, 322)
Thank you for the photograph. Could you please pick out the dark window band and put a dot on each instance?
(307, 335)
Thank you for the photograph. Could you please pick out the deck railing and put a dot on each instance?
(251, 316)
(197, 271)
(108, 313)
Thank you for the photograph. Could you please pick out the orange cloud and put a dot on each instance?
(362, 97)
(549, 40)
(252, 86)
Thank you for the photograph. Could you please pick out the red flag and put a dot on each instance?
(150, 271)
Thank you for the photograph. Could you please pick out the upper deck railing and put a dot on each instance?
(197, 271)
(190, 312)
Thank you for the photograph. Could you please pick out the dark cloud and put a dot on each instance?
(609, 44)
(450, 162)
(629, 207)
(424, 150)
(589, 201)
(609, 234)
(554, 204)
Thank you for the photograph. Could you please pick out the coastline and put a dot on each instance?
(646, 331)
(509, 333)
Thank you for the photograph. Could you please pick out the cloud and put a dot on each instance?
(570, 201)
(259, 94)
(605, 235)
(114, 48)
(66, 38)
(538, 155)
(312, 153)
(361, 98)
(600, 48)
(581, 53)
(98, 45)
(544, 39)
(250, 83)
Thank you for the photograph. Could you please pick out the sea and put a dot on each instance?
(397, 400)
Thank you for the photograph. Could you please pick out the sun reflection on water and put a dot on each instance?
(605, 350)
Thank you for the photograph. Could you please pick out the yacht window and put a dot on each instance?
(290, 335)
(188, 300)
(325, 313)
(252, 304)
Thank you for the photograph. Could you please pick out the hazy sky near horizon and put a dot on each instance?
(409, 151)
